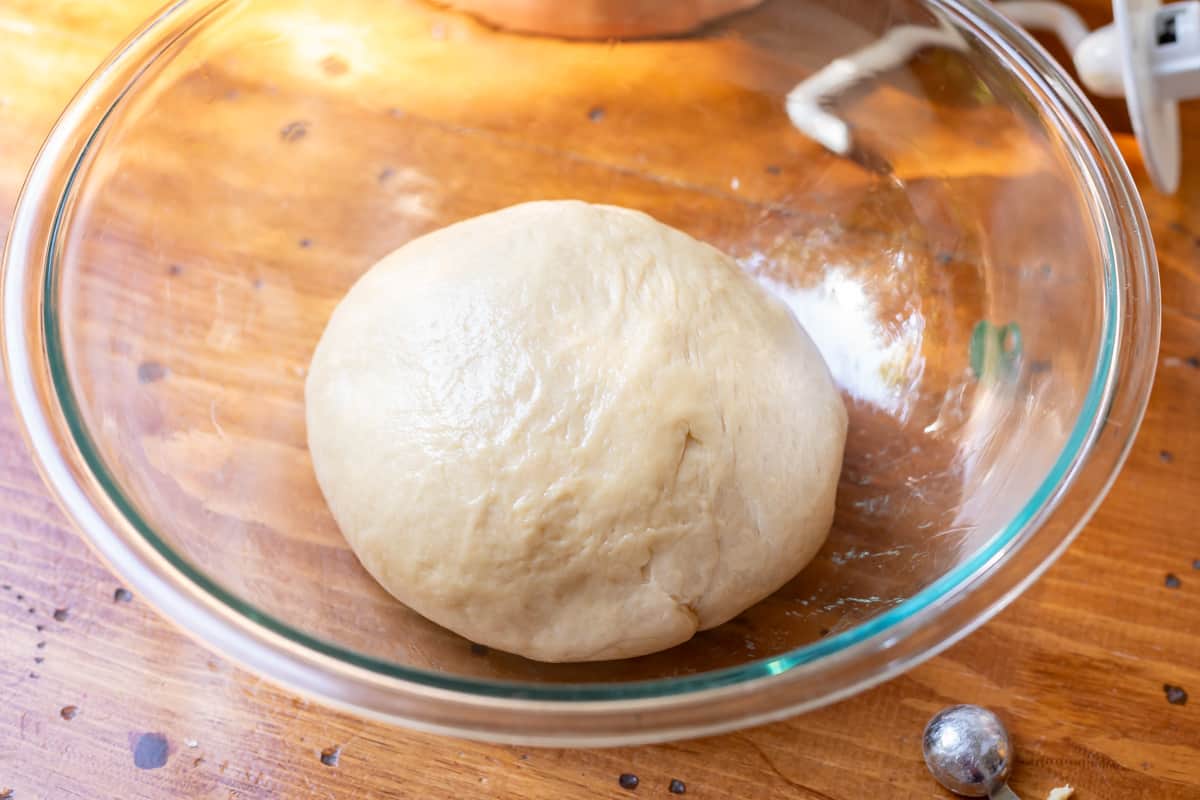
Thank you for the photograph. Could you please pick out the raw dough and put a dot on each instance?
(571, 432)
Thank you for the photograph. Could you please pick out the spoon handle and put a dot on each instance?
(1003, 793)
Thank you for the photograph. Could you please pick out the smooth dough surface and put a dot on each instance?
(571, 432)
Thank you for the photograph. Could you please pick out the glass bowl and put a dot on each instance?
(976, 268)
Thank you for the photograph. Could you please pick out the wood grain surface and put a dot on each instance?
(101, 698)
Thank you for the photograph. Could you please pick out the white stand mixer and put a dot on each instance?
(1150, 54)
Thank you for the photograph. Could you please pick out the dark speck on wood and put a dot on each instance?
(305, 243)
(150, 372)
(38, 659)
(1176, 696)
(39, 627)
(150, 751)
(122, 595)
(1193, 362)
(20, 597)
(1172, 581)
(174, 269)
(40, 645)
(385, 174)
(330, 756)
(1166, 456)
(68, 712)
(479, 649)
(628, 781)
(334, 65)
(33, 675)
(61, 614)
(596, 113)
(294, 131)
(677, 786)
(774, 169)
(1196, 563)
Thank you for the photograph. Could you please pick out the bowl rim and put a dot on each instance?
(583, 714)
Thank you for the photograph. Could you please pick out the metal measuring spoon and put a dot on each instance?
(968, 750)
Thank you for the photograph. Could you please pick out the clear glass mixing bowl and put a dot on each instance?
(977, 270)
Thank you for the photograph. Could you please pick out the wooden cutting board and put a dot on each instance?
(101, 698)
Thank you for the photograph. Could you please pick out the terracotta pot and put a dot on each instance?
(601, 19)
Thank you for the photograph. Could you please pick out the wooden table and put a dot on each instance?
(101, 698)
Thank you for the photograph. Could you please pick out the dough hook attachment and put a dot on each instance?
(1150, 55)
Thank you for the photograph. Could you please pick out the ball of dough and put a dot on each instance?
(571, 432)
